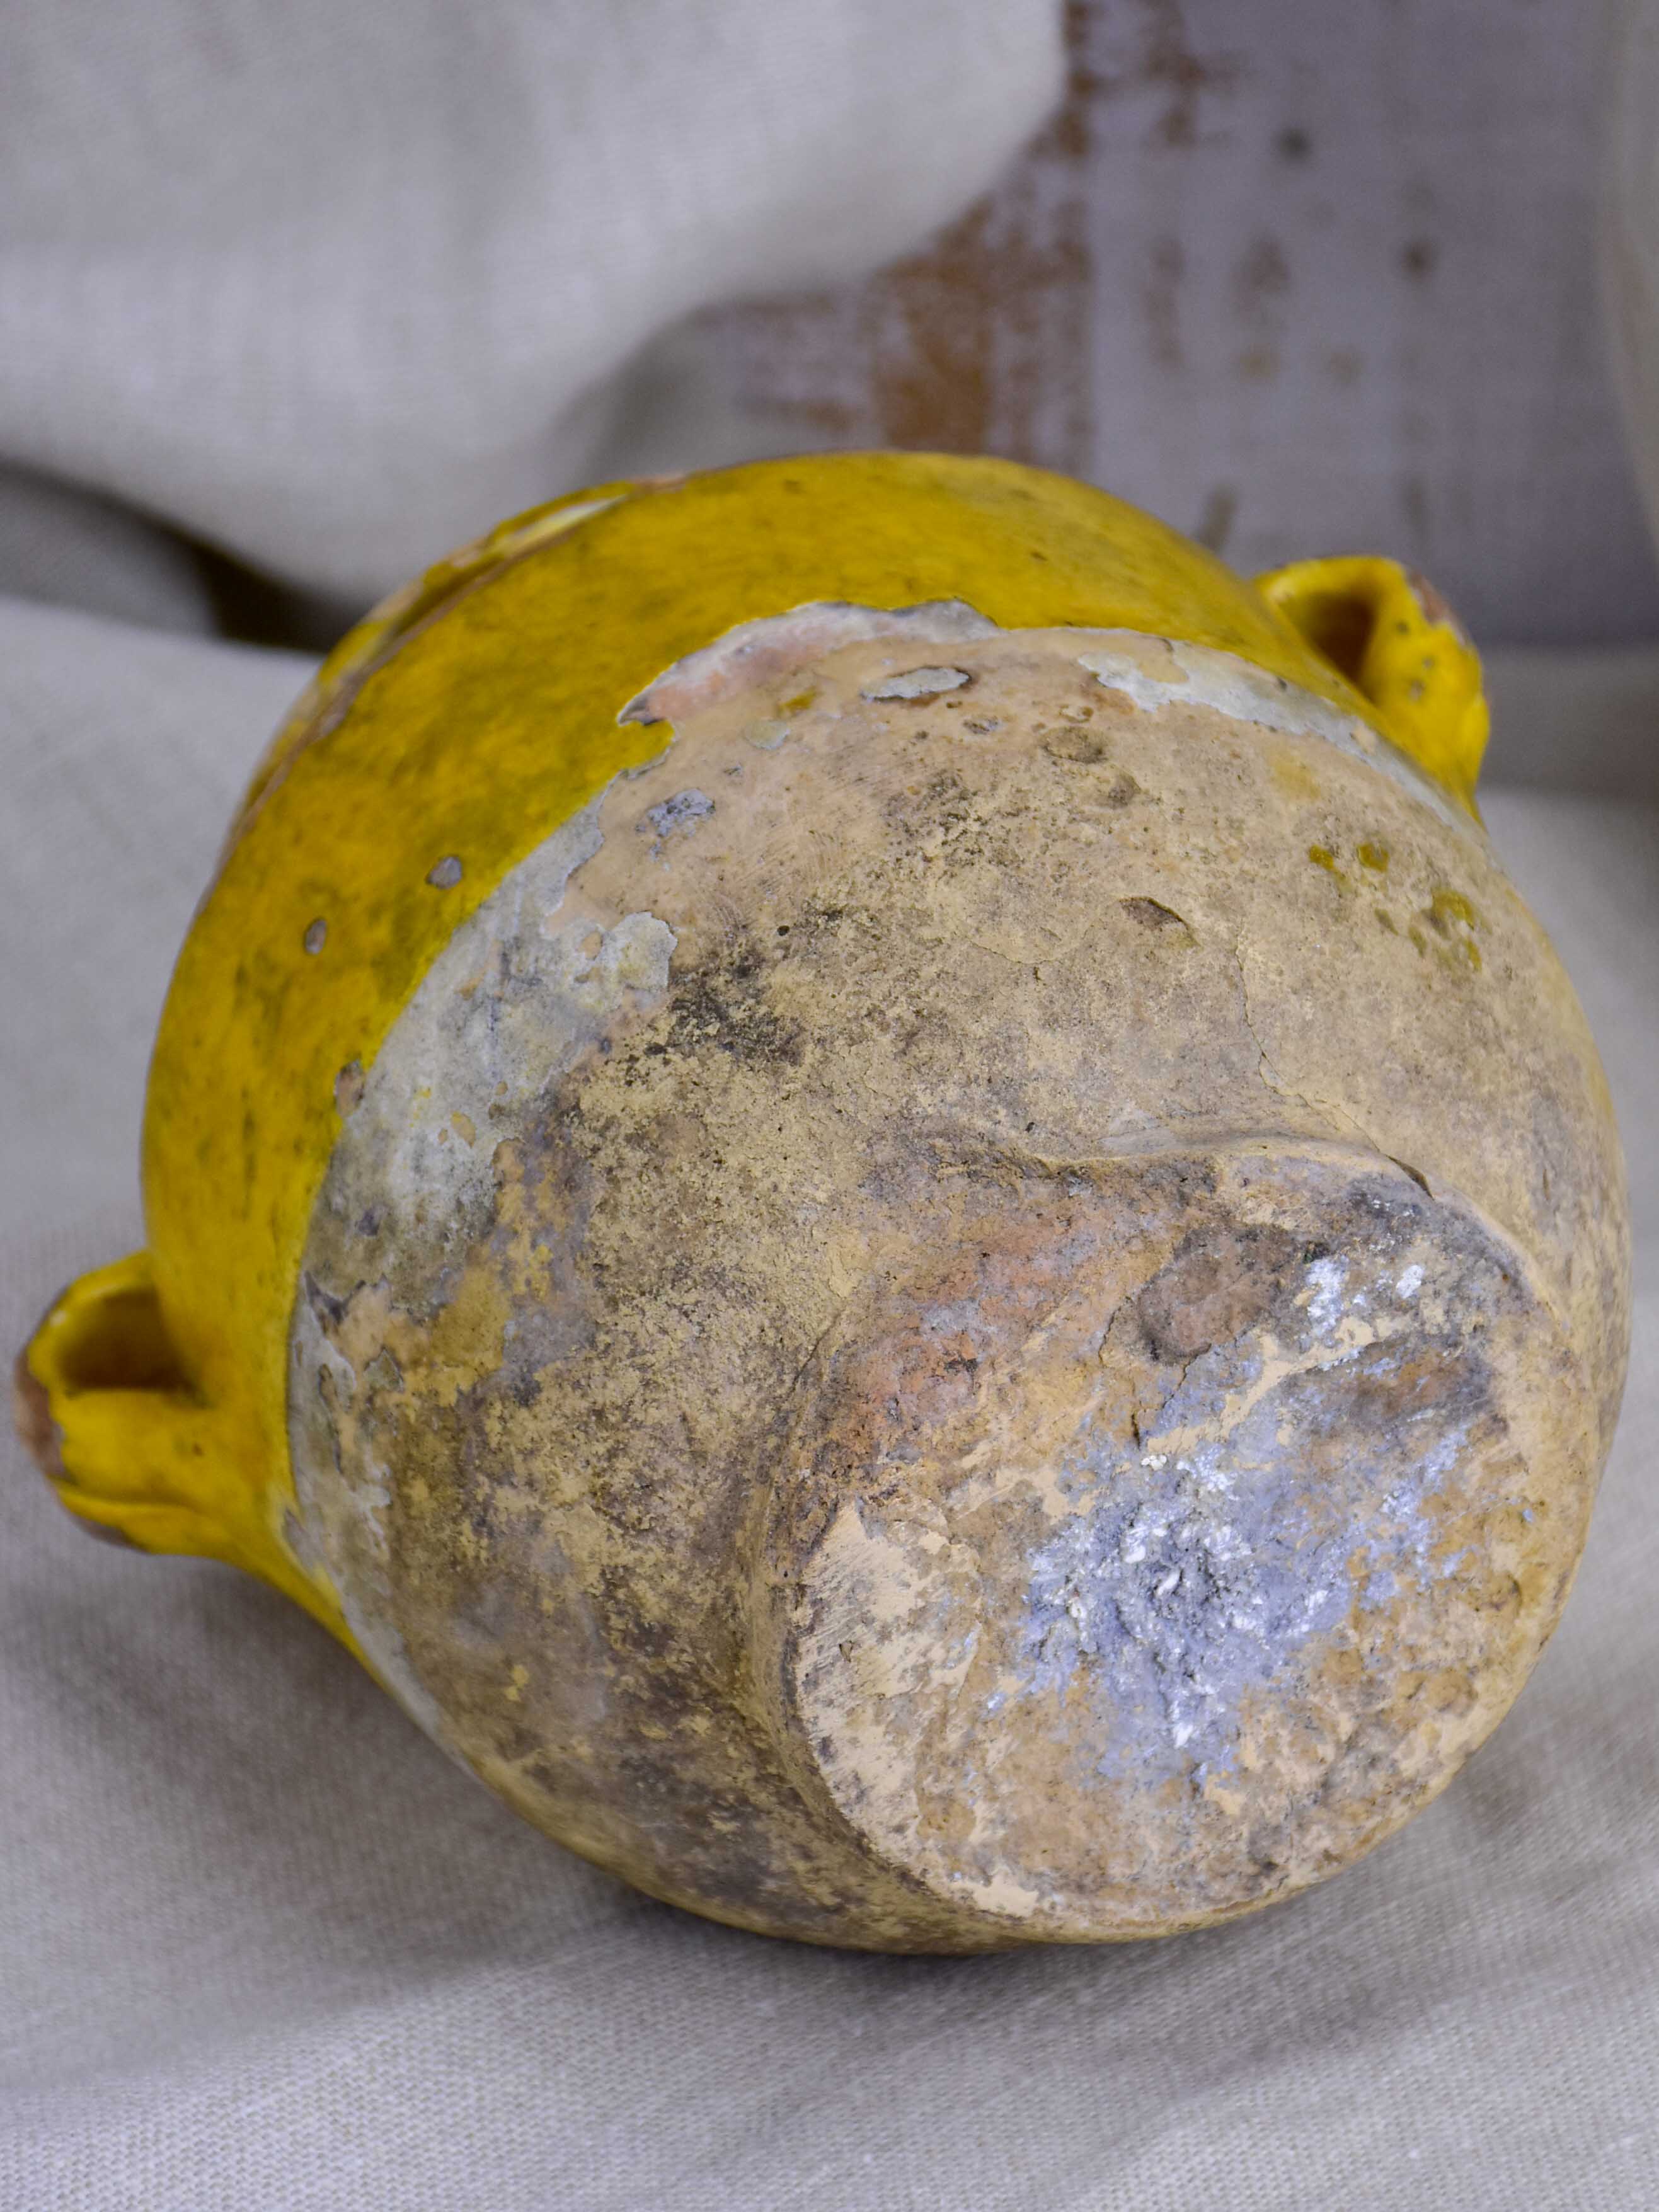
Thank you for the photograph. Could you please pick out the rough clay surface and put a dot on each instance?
(983, 1305)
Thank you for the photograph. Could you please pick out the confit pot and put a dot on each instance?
(870, 1176)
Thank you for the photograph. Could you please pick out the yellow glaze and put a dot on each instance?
(1401, 645)
(466, 719)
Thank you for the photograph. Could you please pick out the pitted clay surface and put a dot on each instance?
(916, 943)
(1144, 1548)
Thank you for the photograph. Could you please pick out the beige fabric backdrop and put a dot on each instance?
(260, 1945)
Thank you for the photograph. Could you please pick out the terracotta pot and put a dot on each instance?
(870, 1176)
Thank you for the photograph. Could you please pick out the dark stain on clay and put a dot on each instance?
(1085, 747)
(940, 816)
(328, 1306)
(1153, 914)
(1215, 1288)
(726, 1005)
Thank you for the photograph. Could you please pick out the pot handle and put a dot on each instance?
(136, 1454)
(1389, 633)
(112, 1423)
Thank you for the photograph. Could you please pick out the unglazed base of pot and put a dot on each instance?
(1173, 1537)
(917, 1337)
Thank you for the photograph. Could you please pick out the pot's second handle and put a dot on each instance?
(137, 1454)
(1389, 632)
(112, 1422)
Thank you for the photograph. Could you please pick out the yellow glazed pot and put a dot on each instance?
(869, 1174)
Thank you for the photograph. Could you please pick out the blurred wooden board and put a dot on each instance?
(1298, 277)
